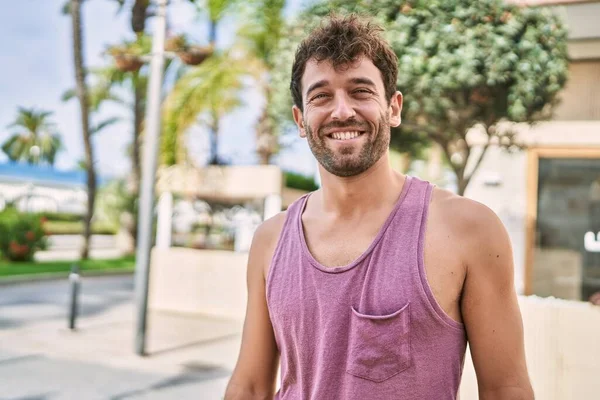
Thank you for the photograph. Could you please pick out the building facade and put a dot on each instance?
(42, 189)
(548, 196)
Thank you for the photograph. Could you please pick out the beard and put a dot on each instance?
(353, 159)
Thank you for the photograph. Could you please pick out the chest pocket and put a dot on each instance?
(379, 344)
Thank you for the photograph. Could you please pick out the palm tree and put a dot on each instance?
(103, 89)
(210, 90)
(218, 108)
(82, 95)
(213, 97)
(262, 37)
(34, 140)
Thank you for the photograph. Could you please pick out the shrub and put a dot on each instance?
(21, 235)
(76, 228)
(61, 216)
(298, 181)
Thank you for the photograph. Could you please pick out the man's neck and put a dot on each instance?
(378, 185)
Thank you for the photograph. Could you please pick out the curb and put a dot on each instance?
(56, 276)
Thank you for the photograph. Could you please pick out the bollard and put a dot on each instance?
(74, 278)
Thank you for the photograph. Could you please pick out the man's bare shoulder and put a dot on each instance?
(270, 229)
(265, 240)
(478, 233)
(466, 217)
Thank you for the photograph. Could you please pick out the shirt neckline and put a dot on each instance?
(313, 261)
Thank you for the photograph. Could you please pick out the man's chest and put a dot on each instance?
(340, 244)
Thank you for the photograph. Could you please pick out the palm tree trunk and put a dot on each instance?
(85, 122)
(214, 124)
(265, 132)
(139, 15)
(136, 169)
(214, 140)
(212, 33)
(138, 120)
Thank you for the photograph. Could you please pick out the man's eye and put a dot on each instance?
(362, 91)
(318, 96)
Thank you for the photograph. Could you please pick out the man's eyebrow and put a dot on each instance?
(354, 81)
(362, 81)
(317, 85)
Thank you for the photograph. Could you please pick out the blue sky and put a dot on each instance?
(37, 67)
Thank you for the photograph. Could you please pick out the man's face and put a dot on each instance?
(346, 117)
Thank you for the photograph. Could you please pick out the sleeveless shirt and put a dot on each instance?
(371, 329)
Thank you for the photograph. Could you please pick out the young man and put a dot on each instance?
(369, 287)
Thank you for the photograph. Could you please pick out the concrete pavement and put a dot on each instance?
(67, 248)
(190, 357)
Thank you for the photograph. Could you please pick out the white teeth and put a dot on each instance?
(345, 135)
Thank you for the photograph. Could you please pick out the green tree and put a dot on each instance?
(205, 93)
(135, 82)
(465, 66)
(34, 140)
(212, 97)
(82, 96)
(261, 38)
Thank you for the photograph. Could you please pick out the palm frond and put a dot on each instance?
(104, 124)
(68, 95)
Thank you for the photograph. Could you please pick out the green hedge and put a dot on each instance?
(298, 181)
(76, 228)
(66, 217)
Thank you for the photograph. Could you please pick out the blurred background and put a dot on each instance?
(502, 105)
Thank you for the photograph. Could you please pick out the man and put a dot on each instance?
(369, 287)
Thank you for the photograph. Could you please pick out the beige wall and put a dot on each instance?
(231, 182)
(580, 99)
(563, 350)
(194, 281)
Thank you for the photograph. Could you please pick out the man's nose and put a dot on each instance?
(343, 109)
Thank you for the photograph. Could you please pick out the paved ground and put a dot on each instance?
(40, 359)
(67, 247)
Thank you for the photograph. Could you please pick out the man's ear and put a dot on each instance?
(298, 118)
(396, 109)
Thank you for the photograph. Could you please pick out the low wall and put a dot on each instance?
(562, 344)
(193, 281)
(562, 338)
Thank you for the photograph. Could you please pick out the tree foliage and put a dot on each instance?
(35, 139)
(204, 94)
(463, 65)
(261, 39)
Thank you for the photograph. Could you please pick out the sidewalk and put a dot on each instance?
(189, 357)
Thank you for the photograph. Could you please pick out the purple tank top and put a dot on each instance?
(371, 329)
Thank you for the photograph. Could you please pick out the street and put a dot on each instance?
(40, 359)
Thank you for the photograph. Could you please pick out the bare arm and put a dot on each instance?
(491, 311)
(255, 372)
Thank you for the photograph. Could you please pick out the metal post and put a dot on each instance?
(74, 278)
(142, 266)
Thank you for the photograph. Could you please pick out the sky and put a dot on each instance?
(36, 64)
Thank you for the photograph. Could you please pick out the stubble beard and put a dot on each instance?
(343, 163)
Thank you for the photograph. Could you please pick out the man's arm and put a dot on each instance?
(490, 308)
(256, 369)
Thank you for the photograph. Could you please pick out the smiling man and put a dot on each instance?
(369, 287)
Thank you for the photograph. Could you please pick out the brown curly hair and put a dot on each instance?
(342, 41)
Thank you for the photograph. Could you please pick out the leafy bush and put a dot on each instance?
(21, 235)
(76, 228)
(298, 181)
(55, 216)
